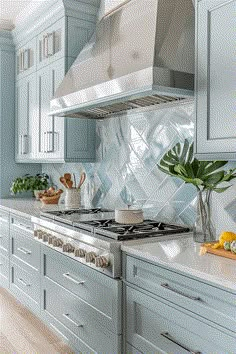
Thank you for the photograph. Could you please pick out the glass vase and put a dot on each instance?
(204, 230)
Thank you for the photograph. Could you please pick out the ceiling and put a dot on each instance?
(10, 9)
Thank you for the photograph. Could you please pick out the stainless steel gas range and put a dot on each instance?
(92, 237)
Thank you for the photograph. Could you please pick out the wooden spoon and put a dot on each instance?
(67, 176)
(82, 179)
(63, 181)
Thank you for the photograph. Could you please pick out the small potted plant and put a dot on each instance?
(35, 184)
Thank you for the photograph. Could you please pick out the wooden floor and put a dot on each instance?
(23, 333)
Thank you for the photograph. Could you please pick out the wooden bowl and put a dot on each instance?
(50, 200)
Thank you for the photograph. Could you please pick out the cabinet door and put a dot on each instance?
(215, 80)
(51, 44)
(51, 129)
(26, 59)
(26, 117)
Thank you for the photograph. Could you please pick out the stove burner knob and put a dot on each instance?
(45, 237)
(90, 257)
(50, 239)
(39, 234)
(79, 252)
(68, 248)
(57, 242)
(101, 262)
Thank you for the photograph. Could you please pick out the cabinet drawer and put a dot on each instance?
(20, 224)
(205, 300)
(25, 249)
(51, 44)
(98, 290)
(80, 318)
(153, 326)
(4, 271)
(131, 350)
(4, 233)
(25, 283)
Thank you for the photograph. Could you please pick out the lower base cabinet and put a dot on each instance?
(153, 326)
(25, 286)
(80, 324)
(4, 271)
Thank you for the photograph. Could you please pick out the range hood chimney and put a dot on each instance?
(141, 54)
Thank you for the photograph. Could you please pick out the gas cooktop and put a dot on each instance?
(50, 214)
(148, 228)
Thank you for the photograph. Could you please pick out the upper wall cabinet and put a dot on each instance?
(25, 59)
(215, 80)
(45, 51)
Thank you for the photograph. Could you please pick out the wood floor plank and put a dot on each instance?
(23, 332)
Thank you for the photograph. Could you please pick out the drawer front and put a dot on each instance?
(153, 326)
(22, 225)
(4, 237)
(77, 316)
(131, 350)
(4, 271)
(25, 249)
(96, 289)
(205, 300)
(26, 280)
(78, 344)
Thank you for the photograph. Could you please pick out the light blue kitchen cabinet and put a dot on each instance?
(168, 312)
(49, 45)
(26, 59)
(26, 118)
(4, 248)
(9, 168)
(215, 80)
(155, 326)
(60, 139)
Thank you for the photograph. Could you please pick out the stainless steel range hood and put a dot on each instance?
(141, 54)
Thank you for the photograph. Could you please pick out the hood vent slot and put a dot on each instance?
(107, 111)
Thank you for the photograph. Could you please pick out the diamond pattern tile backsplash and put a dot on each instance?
(129, 147)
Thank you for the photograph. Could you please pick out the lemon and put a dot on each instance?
(227, 236)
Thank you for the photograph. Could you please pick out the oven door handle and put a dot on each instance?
(71, 278)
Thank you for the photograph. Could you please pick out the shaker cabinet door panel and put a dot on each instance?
(26, 117)
(51, 129)
(215, 79)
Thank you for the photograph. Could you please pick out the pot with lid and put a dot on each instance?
(129, 216)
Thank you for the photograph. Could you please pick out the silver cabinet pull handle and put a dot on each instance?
(166, 286)
(68, 276)
(24, 144)
(45, 46)
(51, 43)
(21, 144)
(67, 316)
(23, 250)
(25, 227)
(23, 282)
(168, 336)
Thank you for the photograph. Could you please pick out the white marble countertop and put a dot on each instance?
(27, 207)
(182, 255)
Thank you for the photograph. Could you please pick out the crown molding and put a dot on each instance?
(7, 25)
(33, 20)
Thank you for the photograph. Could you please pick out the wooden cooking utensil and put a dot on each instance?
(67, 176)
(69, 184)
(63, 181)
(82, 179)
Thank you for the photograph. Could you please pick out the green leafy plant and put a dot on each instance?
(205, 175)
(30, 183)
